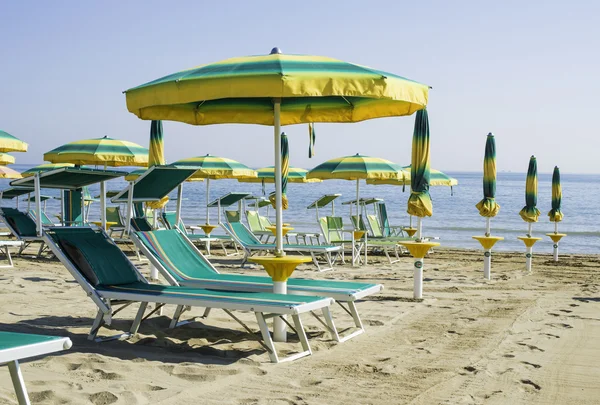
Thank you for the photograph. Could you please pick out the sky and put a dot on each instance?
(526, 71)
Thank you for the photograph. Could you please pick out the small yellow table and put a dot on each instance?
(284, 229)
(108, 224)
(529, 241)
(410, 231)
(280, 269)
(556, 237)
(487, 242)
(418, 250)
(208, 228)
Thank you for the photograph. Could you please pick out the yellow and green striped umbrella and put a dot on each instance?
(9, 143)
(437, 178)
(285, 170)
(530, 213)
(100, 151)
(46, 167)
(419, 201)
(555, 213)
(488, 207)
(6, 159)
(267, 175)
(8, 173)
(156, 151)
(214, 167)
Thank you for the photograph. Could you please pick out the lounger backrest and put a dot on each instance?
(170, 218)
(21, 223)
(334, 227)
(72, 207)
(97, 258)
(253, 221)
(45, 220)
(358, 222)
(232, 216)
(374, 225)
(264, 222)
(243, 233)
(384, 221)
(141, 224)
(175, 254)
(113, 214)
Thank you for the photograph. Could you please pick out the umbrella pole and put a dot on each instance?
(83, 216)
(103, 205)
(419, 229)
(207, 199)
(62, 206)
(529, 231)
(38, 204)
(488, 228)
(178, 207)
(278, 201)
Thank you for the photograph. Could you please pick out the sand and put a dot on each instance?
(518, 339)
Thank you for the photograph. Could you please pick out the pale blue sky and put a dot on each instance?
(528, 71)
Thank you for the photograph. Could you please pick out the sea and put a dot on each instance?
(455, 219)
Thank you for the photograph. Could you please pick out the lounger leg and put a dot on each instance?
(98, 322)
(138, 318)
(302, 334)
(40, 250)
(18, 383)
(266, 335)
(206, 313)
(10, 260)
(357, 320)
(178, 312)
(330, 324)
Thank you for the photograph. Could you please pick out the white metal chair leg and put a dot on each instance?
(330, 324)
(18, 383)
(266, 335)
(98, 322)
(138, 318)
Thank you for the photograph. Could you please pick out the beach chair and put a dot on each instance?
(251, 245)
(46, 221)
(113, 214)
(5, 246)
(72, 209)
(110, 280)
(386, 229)
(23, 228)
(181, 263)
(15, 347)
(256, 226)
(304, 236)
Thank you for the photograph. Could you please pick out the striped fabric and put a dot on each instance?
(312, 137)
(99, 151)
(419, 201)
(530, 213)
(311, 89)
(9, 143)
(285, 169)
(8, 173)
(555, 213)
(436, 178)
(6, 159)
(267, 175)
(156, 151)
(215, 167)
(46, 167)
(356, 167)
(488, 207)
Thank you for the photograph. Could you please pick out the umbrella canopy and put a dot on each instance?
(9, 143)
(356, 167)
(437, 178)
(530, 213)
(6, 159)
(99, 151)
(8, 173)
(241, 90)
(215, 167)
(419, 201)
(488, 207)
(555, 213)
(267, 175)
(156, 151)
(46, 167)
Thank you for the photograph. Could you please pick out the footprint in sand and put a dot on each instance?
(567, 311)
(534, 385)
(103, 398)
(531, 364)
(560, 325)
(530, 347)
(550, 335)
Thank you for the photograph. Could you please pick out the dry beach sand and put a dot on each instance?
(518, 339)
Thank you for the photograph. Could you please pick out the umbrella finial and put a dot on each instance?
(491, 134)
(276, 50)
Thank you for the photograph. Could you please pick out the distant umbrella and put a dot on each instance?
(6, 159)
(555, 213)
(419, 201)
(9, 143)
(530, 213)
(488, 207)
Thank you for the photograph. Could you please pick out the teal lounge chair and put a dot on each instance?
(252, 245)
(15, 347)
(181, 263)
(110, 279)
(46, 221)
(23, 228)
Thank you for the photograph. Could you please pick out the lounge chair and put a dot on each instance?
(265, 222)
(113, 214)
(15, 347)
(110, 279)
(386, 228)
(5, 246)
(256, 227)
(23, 228)
(181, 263)
(46, 221)
(252, 245)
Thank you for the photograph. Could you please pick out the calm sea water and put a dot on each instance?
(455, 218)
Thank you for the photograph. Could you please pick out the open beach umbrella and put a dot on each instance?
(214, 167)
(8, 173)
(46, 167)
(436, 178)
(488, 207)
(419, 201)
(530, 213)
(267, 175)
(101, 152)
(6, 159)
(9, 143)
(277, 89)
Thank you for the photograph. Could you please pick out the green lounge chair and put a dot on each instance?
(23, 228)
(256, 226)
(252, 245)
(15, 347)
(181, 263)
(46, 221)
(110, 279)
(113, 214)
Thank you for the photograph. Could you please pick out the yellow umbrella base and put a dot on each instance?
(488, 242)
(418, 250)
(528, 241)
(556, 237)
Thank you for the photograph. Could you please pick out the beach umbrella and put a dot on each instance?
(8, 173)
(419, 201)
(214, 167)
(267, 175)
(46, 167)
(101, 152)
(6, 159)
(530, 213)
(285, 170)
(9, 143)
(488, 207)
(156, 151)
(555, 214)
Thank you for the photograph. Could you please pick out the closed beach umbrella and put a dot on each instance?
(530, 213)
(285, 170)
(9, 143)
(8, 173)
(156, 151)
(419, 201)
(488, 207)
(46, 167)
(6, 159)
(99, 151)
(555, 213)
(214, 167)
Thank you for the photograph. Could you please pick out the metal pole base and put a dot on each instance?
(529, 257)
(279, 327)
(487, 264)
(418, 279)
(555, 252)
